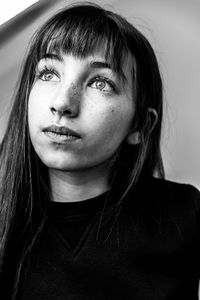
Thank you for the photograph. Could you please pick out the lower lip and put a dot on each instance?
(60, 138)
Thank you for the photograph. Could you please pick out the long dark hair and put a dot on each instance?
(24, 189)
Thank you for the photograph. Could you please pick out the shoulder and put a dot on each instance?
(163, 217)
(157, 205)
(168, 188)
(173, 191)
(171, 198)
(158, 187)
(181, 198)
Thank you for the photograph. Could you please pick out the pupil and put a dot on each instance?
(100, 84)
(48, 75)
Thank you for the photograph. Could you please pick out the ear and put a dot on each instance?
(154, 117)
(133, 138)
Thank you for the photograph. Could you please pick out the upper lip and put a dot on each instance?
(61, 130)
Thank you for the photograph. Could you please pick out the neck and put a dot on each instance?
(77, 185)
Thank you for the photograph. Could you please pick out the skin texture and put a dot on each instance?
(89, 98)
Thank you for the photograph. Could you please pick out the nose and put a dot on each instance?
(67, 101)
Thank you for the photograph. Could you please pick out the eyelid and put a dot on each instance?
(106, 79)
(46, 68)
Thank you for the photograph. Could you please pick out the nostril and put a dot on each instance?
(62, 111)
(68, 112)
(52, 109)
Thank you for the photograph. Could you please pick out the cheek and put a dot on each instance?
(36, 109)
(121, 118)
(116, 123)
(33, 115)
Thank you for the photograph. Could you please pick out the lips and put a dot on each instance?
(61, 133)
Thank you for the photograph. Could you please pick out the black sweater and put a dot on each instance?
(150, 251)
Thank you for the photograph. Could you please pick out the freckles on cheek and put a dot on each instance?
(113, 121)
(118, 117)
(122, 125)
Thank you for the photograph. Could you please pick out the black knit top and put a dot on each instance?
(149, 250)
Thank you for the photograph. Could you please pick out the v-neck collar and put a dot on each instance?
(72, 211)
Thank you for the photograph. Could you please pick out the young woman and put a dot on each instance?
(81, 215)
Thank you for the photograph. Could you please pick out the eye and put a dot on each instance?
(102, 84)
(48, 74)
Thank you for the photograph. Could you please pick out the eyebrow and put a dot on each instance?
(54, 56)
(99, 65)
(104, 64)
(92, 64)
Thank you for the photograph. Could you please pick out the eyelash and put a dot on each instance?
(105, 79)
(46, 70)
(96, 78)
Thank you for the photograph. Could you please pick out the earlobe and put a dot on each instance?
(133, 138)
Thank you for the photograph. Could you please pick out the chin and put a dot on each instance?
(60, 165)
(58, 162)
(69, 162)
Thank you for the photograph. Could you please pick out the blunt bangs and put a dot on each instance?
(83, 31)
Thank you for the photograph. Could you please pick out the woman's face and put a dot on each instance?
(79, 111)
